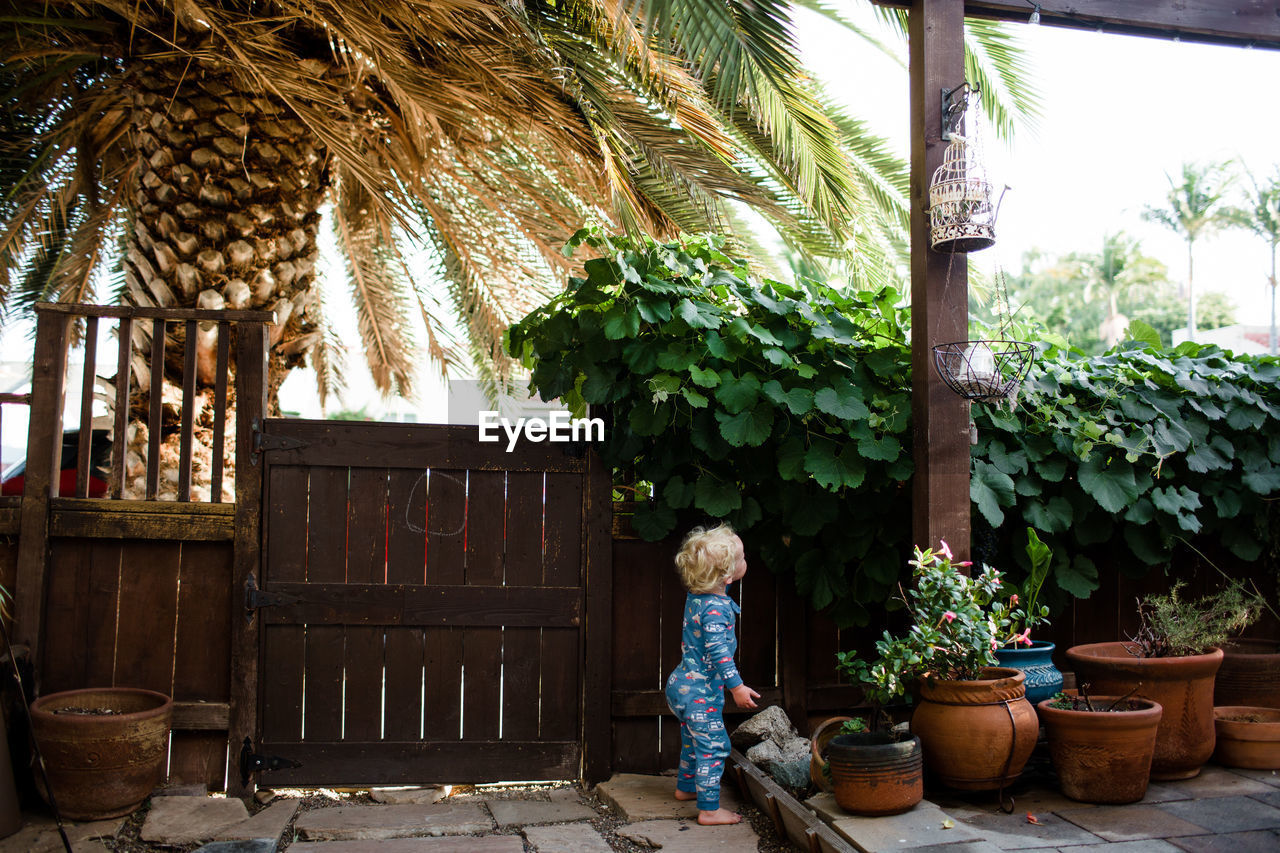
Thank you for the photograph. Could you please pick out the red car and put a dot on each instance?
(99, 458)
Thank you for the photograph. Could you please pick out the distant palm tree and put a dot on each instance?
(1112, 274)
(1193, 209)
(1261, 215)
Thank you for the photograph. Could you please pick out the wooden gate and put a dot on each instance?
(422, 610)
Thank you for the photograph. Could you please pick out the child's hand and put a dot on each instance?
(744, 696)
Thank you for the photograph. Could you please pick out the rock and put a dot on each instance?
(788, 764)
(408, 796)
(764, 753)
(770, 724)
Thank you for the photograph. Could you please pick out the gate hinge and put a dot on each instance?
(251, 762)
(263, 442)
(255, 598)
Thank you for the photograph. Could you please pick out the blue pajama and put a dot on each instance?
(695, 693)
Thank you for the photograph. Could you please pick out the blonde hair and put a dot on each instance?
(707, 557)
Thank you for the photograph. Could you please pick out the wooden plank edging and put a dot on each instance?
(791, 818)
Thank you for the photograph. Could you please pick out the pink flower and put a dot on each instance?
(994, 645)
(949, 616)
(946, 551)
(1013, 599)
(1024, 637)
(964, 563)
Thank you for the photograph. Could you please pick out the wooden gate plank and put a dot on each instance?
(482, 647)
(203, 636)
(326, 562)
(148, 616)
(68, 602)
(406, 564)
(522, 646)
(562, 648)
(366, 563)
(671, 598)
(284, 646)
(446, 524)
(636, 661)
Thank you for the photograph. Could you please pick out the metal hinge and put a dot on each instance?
(263, 442)
(255, 598)
(251, 762)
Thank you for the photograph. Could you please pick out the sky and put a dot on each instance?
(1121, 112)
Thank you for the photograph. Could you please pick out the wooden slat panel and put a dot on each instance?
(326, 563)
(636, 660)
(757, 630)
(198, 758)
(354, 764)
(562, 649)
(671, 609)
(482, 647)
(420, 446)
(200, 669)
(186, 435)
(148, 615)
(284, 646)
(406, 564)
(69, 597)
(218, 315)
(124, 334)
(220, 410)
(155, 415)
(446, 522)
(86, 407)
(385, 604)
(597, 633)
(522, 647)
(366, 564)
(190, 522)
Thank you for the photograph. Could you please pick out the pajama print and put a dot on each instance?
(695, 692)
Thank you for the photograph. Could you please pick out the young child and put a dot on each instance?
(708, 561)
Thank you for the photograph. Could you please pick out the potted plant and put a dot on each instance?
(1250, 674)
(1247, 737)
(973, 720)
(1017, 616)
(1101, 746)
(1172, 660)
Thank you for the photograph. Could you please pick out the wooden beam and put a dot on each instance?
(1243, 22)
(597, 729)
(120, 519)
(939, 291)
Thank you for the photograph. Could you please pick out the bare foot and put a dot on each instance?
(685, 796)
(719, 817)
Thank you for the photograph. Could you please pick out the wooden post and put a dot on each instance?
(939, 291)
(251, 404)
(597, 719)
(44, 461)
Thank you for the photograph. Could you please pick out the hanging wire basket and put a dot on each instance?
(986, 371)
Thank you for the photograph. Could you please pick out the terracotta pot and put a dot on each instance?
(818, 743)
(1044, 679)
(976, 735)
(876, 773)
(102, 766)
(1253, 743)
(1182, 685)
(1102, 756)
(1249, 675)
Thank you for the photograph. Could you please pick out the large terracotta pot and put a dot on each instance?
(876, 773)
(976, 735)
(1183, 686)
(102, 765)
(1247, 737)
(1102, 756)
(1249, 675)
(1044, 679)
(822, 736)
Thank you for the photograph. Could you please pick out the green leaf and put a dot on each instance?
(620, 322)
(1053, 516)
(791, 456)
(654, 310)
(990, 488)
(799, 401)
(750, 427)
(737, 393)
(1143, 333)
(1179, 502)
(1078, 577)
(695, 399)
(1263, 481)
(811, 513)
(652, 522)
(1110, 482)
(842, 402)
(884, 449)
(703, 377)
(649, 419)
(715, 345)
(695, 317)
(1146, 543)
(834, 469)
(677, 492)
(715, 496)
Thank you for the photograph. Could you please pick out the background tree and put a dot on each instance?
(1261, 215)
(1118, 270)
(1193, 209)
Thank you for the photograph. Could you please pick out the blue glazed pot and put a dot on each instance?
(1036, 660)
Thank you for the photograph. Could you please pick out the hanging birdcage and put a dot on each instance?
(962, 216)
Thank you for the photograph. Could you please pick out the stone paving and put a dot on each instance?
(1220, 810)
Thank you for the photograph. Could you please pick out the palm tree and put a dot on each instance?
(1261, 215)
(1193, 209)
(1115, 272)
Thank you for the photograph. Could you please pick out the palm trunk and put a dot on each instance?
(225, 214)
(1191, 291)
(1273, 350)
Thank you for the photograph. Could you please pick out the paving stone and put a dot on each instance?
(1271, 798)
(920, 827)
(1158, 792)
(248, 845)
(183, 820)
(1147, 845)
(408, 796)
(40, 835)
(1131, 823)
(268, 823)
(1234, 842)
(524, 812)
(686, 836)
(1218, 782)
(567, 838)
(351, 823)
(1016, 832)
(1267, 777)
(491, 844)
(640, 797)
(181, 791)
(1226, 814)
(964, 847)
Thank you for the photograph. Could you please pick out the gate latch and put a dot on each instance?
(255, 598)
(251, 762)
